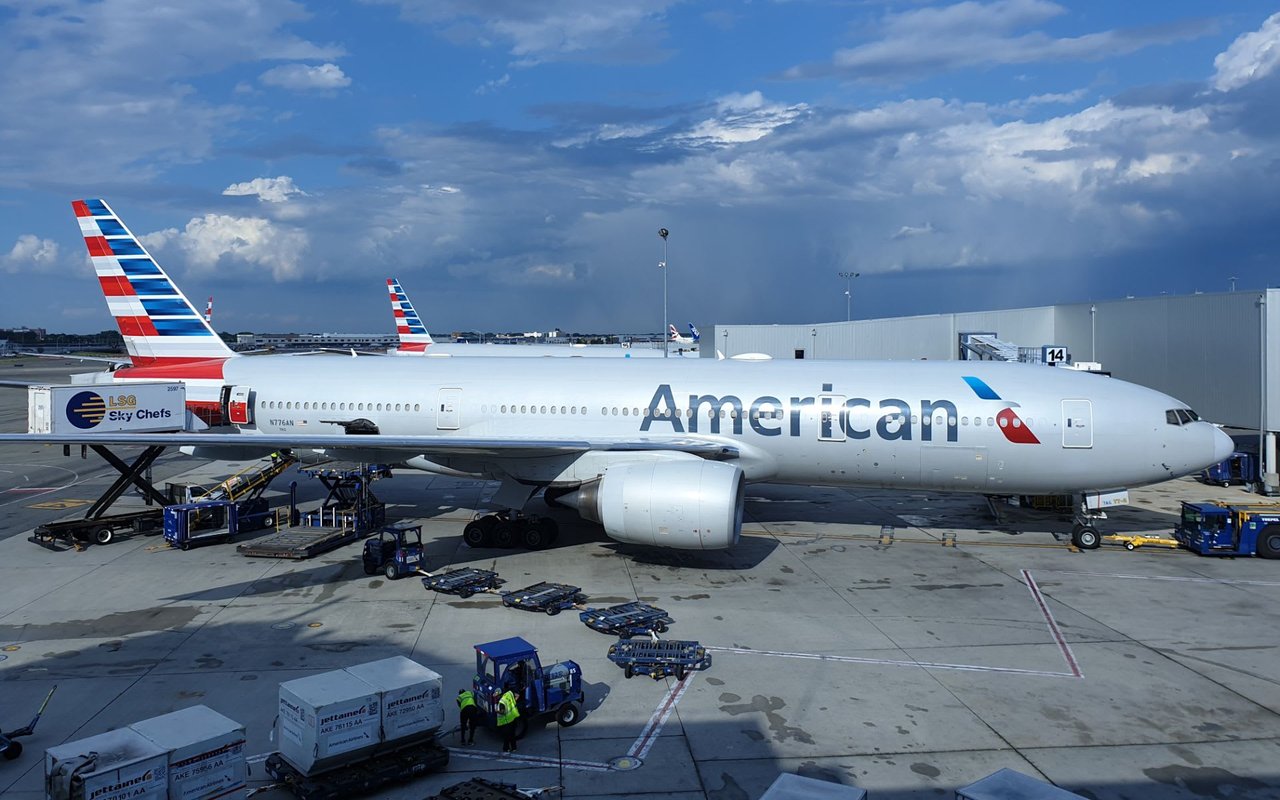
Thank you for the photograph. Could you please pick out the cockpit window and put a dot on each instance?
(1180, 416)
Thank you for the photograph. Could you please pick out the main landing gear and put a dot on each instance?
(508, 529)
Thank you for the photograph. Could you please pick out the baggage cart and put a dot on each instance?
(659, 658)
(627, 620)
(550, 598)
(463, 582)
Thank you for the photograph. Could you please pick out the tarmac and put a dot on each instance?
(904, 643)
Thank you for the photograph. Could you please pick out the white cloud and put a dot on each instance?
(268, 190)
(928, 40)
(1252, 56)
(495, 84)
(741, 118)
(30, 253)
(304, 78)
(908, 231)
(211, 241)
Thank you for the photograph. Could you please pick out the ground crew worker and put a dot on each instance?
(468, 716)
(508, 713)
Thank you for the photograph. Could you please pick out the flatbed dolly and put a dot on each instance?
(482, 789)
(1134, 541)
(364, 777)
(659, 658)
(463, 582)
(297, 542)
(549, 598)
(98, 530)
(627, 620)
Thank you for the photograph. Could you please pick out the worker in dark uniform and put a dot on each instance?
(468, 716)
(508, 713)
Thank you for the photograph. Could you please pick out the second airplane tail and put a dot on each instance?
(413, 334)
(159, 325)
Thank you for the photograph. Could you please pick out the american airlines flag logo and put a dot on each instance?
(407, 320)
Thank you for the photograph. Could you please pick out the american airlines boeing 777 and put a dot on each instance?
(658, 452)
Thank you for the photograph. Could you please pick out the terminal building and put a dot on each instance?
(1219, 353)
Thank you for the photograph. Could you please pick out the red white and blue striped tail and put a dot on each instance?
(413, 334)
(159, 325)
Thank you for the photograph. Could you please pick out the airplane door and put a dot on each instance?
(448, 409)
(240, 406)
(1077, 423)
(830, 424)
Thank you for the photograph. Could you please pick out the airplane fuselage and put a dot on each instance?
(971, 426)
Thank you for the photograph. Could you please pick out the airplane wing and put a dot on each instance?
(118, 361)
(405, 446)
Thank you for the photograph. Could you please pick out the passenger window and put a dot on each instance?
(544, 409)
(504, 409)
(415, 407)
(604, 412)
(625, 410)
(562, 409)
(524, 409)
(553, 409)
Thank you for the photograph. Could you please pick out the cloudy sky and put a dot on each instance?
(512, 161)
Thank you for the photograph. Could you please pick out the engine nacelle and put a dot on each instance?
(687, 505)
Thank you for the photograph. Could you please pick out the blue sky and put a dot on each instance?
(511, 161)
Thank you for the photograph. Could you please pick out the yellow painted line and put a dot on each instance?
(60, 505)
(959, 543)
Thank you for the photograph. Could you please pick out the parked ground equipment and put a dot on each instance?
(463, 582)
(10, 747)
(481, 789)
(395, 552)
(659, 658)
(550, 598)
(190, 525)
(349, 731)
(513, 664)
(1134, 541)
(349, 512)
(511, 529)
(1227, 529)
(1239, 467)
(627, 620)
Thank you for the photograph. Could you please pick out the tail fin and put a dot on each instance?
(159, 325)
(413, 334)
(694, 332)
(672, 333)
(208, 311)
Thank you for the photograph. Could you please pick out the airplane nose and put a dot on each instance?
(1223, 447)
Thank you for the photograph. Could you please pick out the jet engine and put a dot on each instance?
(687, 505)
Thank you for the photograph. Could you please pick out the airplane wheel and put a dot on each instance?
(539, 534)
(476, 533)
(505, 534)
(391, 570)
(1086, 537)
(103, 535)
(13, 750)
(1269, 542)
(568, 715)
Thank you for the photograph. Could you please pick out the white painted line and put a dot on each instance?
(1183, 579)
(1054, 630)
(535, 761)
(257, 759)
(892, 662)
(640, 748)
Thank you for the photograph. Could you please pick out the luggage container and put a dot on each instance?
(410, 695)
(206, 753)
(327, 720)
(114, 765)
(136, 407)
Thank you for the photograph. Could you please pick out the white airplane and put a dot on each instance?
(674, 337)
(656, 452)
(415, 340)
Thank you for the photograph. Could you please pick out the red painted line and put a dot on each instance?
(641, 746)
(1053, 626)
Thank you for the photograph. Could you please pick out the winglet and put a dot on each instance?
(413, 334)
(159, 325)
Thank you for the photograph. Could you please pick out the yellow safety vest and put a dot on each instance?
(507, 711)
(465, 700)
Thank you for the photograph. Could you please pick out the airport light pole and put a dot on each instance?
(848, 293)
(662, 265)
